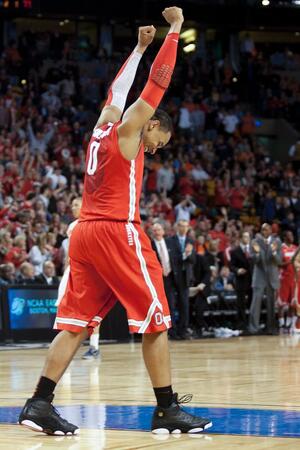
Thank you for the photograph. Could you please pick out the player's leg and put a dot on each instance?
(157, 358)
(61, 353)
(136, 280)
(77, 315)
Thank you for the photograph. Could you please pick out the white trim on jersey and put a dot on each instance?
(155, 303)
(132, 191)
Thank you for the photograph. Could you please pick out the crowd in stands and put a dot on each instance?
(215, 173)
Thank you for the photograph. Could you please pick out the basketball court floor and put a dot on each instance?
(248, 386)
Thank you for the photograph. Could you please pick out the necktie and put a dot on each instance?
(182, 242)
(164, 259)
(246, 250)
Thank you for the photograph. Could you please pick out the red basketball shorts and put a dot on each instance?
(287, 289)
(112, 261)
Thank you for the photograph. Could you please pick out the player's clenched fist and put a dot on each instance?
(146, 35)
(173, 15)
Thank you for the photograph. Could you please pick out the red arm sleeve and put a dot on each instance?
(161, 71)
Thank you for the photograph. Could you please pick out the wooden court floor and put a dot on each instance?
(248, 386)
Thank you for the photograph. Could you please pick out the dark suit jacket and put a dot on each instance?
(266, 264)
(183, 270)
(169, 249)
(214, 260)
(240, 261)
(41, 279)
(25, 281)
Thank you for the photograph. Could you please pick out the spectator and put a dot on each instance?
(17, 253)
(39, 253)
(230, 122)
(165, 178)
(161, 246)
(48, 275)
(242, 266)
(225, 281)
(266, 254)
(7, 274)
(185, 209)
(181, 247)
(26, 274)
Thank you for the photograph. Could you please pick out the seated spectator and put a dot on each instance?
(26, 274)
(7, 274)
(48, 275)
(225, 281)
(17, 253)
(39, 253)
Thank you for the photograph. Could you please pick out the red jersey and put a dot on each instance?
(112, 184)
(287, 253)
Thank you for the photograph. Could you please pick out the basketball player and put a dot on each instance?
(287, 281)
(110, 254)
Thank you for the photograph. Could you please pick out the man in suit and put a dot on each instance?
(26, 274)
(183, 260)
(266, 253)
(160, 245)
(48, 276)
(241, 265)
(201, 290)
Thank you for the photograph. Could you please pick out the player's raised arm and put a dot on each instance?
(140, 112)
(121, 85)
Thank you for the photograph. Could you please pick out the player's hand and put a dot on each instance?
(173, 15)
(146, 36)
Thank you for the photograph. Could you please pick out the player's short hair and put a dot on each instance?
(164, 119)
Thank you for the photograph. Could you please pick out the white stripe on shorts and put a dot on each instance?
(155, 301)
(66, 320)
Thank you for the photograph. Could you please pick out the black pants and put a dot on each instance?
(243, 299)
(183, 306)
(170, 294)
(201, 306)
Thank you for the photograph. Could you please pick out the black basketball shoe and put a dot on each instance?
(39, 414)
(176, 420)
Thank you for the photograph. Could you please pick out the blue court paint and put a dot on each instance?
(250, 422)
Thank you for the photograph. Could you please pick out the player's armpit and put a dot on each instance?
(109, 113)
(129, 131)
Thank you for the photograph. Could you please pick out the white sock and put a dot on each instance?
(94, 340)
(281, 321)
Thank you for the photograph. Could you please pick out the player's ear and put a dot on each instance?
(153, 124)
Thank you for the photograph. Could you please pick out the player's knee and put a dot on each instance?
(79, 335)
(155, 335)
